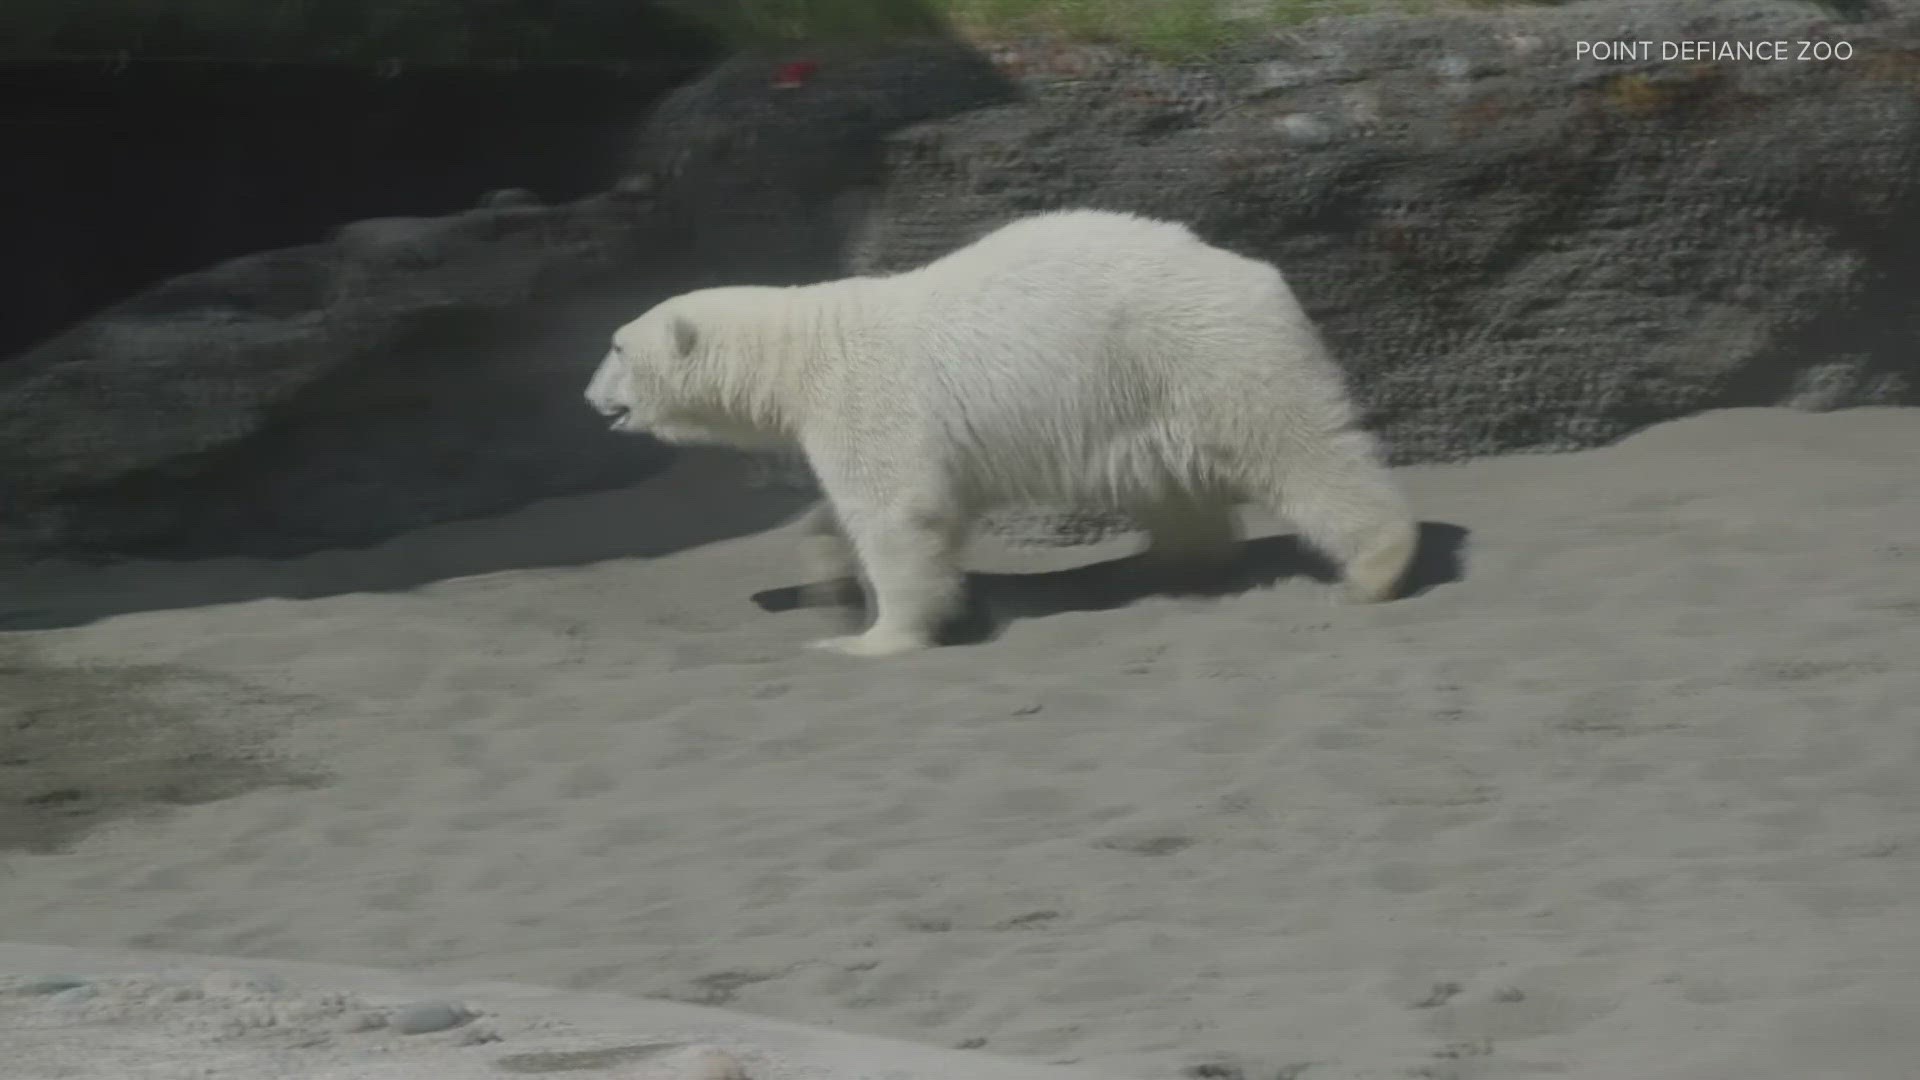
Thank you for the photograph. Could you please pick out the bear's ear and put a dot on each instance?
(685, 337)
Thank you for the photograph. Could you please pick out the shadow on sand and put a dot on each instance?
(702, 497)
(995, 600)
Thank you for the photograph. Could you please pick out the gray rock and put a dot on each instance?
(505, 197)
(1516, 263)
(411, 371)
(428, 1016)
(407, 372)
(638, 186)
(75, 995)
(764, 184)
(1305, 129)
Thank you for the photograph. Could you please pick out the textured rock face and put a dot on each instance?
(758, 181)
(1511, 247)
(411, 371)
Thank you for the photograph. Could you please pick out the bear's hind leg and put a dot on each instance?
(1344, 501)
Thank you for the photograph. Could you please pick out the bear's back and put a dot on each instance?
(1082, 237)
(1056, 280)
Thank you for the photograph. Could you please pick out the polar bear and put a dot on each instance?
(1079, 359)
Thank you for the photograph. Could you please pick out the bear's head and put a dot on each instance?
(674, 374)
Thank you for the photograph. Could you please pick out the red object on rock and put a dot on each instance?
(794, 74)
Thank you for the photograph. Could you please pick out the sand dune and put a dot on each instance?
(1631, 789)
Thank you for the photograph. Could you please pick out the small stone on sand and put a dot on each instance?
(52, 984)
(75, 995)
(704, 1063)
(428, 1016)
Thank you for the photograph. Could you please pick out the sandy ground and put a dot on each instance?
(124, 1014)
(1630, 789)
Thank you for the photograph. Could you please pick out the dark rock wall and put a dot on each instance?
(1512, 249)
(117, 177)
(415, 369)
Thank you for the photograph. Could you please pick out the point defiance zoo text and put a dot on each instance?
(1713, 50)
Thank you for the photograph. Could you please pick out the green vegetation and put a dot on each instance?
(1173, 29)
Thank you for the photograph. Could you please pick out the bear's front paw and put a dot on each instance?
(875, 644)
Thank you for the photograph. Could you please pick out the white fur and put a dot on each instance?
(1071, 359)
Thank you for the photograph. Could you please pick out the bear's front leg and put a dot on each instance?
(904, 521)
(915, 579)
(907, 545)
